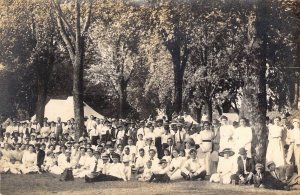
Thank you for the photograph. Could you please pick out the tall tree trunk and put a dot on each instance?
(41, 100)
(74, 40)
(254, 102)
(198, 113)
(296, 99)
(122, 98)
(178, 92)
(78, 96)
(297, 74)
(178, 79)
(209, 106)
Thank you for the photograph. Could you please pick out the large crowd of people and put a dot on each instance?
(154, 150)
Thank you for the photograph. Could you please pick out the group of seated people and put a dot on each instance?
(153, 151)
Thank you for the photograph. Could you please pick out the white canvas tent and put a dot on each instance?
(65, 109)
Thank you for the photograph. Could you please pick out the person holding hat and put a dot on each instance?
(160, 174)
(245, 169)
(194, 168)
(226, 167)
(275, 151)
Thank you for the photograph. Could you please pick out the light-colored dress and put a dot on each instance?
(226, 137)
(175, 167)
(275, 151)
(205, 149)
(226, 168)
(29, 163)
(243, 139)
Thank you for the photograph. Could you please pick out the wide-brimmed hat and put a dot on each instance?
(259, 166)
(242, 151)
(227, 151)
(115, 155)
(104, 156)
(295, 120)
(162, 161)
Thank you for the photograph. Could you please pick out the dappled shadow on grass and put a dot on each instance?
(50, 184)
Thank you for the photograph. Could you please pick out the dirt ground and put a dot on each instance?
(49, 184)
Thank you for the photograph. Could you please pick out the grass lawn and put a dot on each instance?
(50, 184)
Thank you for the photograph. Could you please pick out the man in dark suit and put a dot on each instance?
(269, 179)
(40, 155)
(246, 169)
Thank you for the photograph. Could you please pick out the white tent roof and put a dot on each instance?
(65, 109)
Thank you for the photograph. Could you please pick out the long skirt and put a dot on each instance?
(275, 152)
(218, 178)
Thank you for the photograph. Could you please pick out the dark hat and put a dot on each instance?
(242, 151)
(224, 117)
(163, 161)
(192, 150)
(180, 120)
(115, 155)
(226, 151)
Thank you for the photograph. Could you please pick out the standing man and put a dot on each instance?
(59, 128)
(296, 143)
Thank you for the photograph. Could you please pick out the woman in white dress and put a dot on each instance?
(226, 134)
(29, 161)
(243, 137)
(275, 151)
(175, 165)
(226, 167)
(205, 147)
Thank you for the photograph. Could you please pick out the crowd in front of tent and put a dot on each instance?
(154, 151)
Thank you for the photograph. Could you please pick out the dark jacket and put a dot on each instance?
(40, 158)
(270, 182)
(250, 166)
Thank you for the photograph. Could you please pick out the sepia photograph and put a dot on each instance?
(138, 97)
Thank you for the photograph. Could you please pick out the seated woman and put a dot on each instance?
(4, 163)
(175, 165)
(86, 165)
(29, 161)
(226, 167)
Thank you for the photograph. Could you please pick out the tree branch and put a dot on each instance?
(87, 22)
(63, 18)
(66, 39)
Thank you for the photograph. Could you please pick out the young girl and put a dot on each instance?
(146, 175)
(167, 156)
